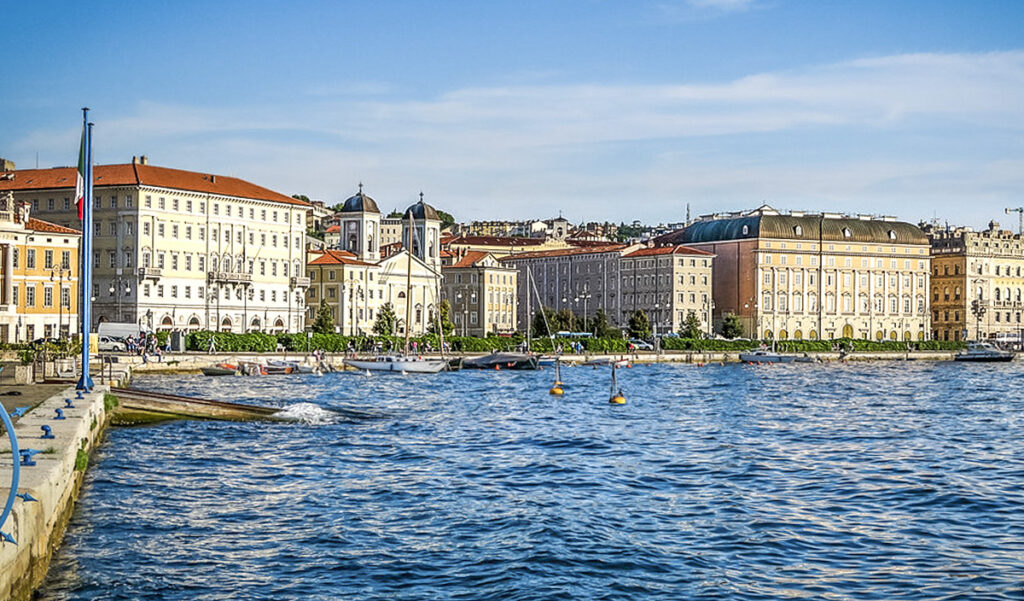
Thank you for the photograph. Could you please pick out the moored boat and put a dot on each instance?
(984, 352)
(398, 363)
(496, 360)
(765, 356)
(220, 369)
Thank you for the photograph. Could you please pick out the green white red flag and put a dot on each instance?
(80, 181)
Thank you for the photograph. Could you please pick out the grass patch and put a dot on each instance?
(109, 402)
(81, 460)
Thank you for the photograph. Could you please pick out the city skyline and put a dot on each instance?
(604, 111)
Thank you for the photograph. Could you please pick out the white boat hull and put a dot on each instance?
(766, 358)
(399, 365)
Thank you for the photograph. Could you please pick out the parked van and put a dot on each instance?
(120, 331)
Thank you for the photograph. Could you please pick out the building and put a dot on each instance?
(359, 279)
(800, 275)
(977, 283)
(40, 294)
(182, 250)
(668, 283)
(501, 246)
(482, 294)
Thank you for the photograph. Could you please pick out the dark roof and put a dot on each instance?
(360, 203)
(666, 250)
(421, 210)
(136, 174)
(805, 227)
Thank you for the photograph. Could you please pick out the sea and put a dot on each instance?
(863, 480)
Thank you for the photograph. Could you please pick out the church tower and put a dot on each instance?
(360, 227)
(426, 233)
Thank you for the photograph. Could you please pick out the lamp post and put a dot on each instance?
(978, 306)
(657, 308)
(61, 273)
(465, 300)
(116, 286)
(585, 297)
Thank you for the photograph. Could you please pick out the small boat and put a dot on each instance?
(547, 360)
(220, 369)
(296, 367)
(984, 351)
(398, 363)
(276, 370)
(606, 361)
(496, 360)
(765, 356)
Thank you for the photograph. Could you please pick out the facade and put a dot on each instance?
(183, 250)
(40, 270)
(797, 275)
(482, 294)
(362, 277)
(977, 283)
(668, 283)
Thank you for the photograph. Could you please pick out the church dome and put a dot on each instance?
(360, 203)
(421, 210)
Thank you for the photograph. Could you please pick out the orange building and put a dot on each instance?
(40, 271)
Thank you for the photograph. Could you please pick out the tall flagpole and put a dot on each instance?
(85, 383)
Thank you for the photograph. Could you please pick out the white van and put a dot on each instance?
(120, 331)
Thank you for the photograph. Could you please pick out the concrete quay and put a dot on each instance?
(38, 526)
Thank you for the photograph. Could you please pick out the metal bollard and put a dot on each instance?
(68, 404)
(27, 497)
(79, 396)
(60, 414)
(47, 432)
(26, 456)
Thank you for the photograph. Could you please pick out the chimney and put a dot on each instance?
(213, 179)
(6, 165)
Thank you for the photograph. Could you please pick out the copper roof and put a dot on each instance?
(135, 174)
(806, 227)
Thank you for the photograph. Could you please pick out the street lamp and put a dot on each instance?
(465, 300)
(978, 306)
(585, 296)
(116, 286)
(61, 273)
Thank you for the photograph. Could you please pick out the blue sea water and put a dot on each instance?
(839, 481)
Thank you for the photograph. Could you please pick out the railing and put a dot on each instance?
(149, 272)
(229, 277)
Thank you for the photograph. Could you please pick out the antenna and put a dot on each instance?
(1020, 215)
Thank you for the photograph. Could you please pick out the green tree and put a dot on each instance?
(445, 318)
(386, 322)
(600, 326)
(639, 325)
(691, 327)
(396, 214)
(565, 321)
(731, 326)
(541, 321)
(312, 233)
(446, 219)
(300, 197)
(324, 322)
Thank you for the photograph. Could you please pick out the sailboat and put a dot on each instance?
(402, 363)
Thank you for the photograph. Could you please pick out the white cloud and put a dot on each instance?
(531, 149)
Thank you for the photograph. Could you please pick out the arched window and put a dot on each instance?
(846, 232)
(798, 231)
(892, 234)
(997, 294)
(746, 230)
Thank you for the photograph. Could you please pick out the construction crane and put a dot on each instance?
(1020, 215)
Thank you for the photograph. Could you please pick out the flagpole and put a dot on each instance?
(85, 281)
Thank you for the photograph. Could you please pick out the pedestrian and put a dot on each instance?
(213, 345)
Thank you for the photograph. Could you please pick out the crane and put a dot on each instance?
(1020, 214)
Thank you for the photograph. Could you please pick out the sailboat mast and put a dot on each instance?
(529, 316)
(408, 287)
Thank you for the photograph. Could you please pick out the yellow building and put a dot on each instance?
(977, 283)
(482, 294)
(40, 275)
(801, 275)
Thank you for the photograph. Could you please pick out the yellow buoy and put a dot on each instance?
(556, 390)
(617, 399)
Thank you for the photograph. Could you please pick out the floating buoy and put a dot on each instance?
(616, 398)
(556, 390)
(497, 368)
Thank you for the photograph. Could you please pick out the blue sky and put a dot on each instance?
(601, 110)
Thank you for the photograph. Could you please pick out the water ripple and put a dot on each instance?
(856, 481)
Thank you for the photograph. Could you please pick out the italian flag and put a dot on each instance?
(80, 181)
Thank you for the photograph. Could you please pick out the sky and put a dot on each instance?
(598, 110)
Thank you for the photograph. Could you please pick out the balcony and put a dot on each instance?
(149, 272)
(228, 277)
(298, 282)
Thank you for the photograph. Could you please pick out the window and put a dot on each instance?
(128, 230)
(188, 232)
(65, 259)
(48, 259)
(160, 230)
(48, 296)
(145, 228)
(30, 260)
(112, 258)
(188, 266)
(15, 255)
(67, 204)
(162, 203)
(49, 205)
(30, 295)
(174, 231)
(65, 297)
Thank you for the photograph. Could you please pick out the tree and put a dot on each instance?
(396, 214)
(542, 320)
(300, 197)
(446, 219)
(444, 310)
(639, 325)
(731, 327)
(565, 321)
(312, 233)
(691, 327)
(386, 322)
(324, 322)
(599, 325)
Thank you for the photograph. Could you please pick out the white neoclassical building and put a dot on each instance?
(183, 250)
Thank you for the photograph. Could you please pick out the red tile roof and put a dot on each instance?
(337, 257)
(333, 229)
(497, 241)
(134, 174)
(576, 250)
(38, 225)
(667, 250)
(470, 259)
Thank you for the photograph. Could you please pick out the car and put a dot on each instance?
(640, 345)
(109, 344)
(43, 341)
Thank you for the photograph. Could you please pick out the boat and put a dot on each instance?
(497, 360)
(547, 360)
(220, 369)
(599, 361)
(398, 363)
(984, 352)
(765, 356)
(295, 366)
